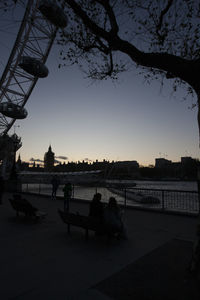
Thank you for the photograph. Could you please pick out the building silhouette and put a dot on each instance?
(162, 162)
(49, 160)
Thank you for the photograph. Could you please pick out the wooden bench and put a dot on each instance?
(21, 205)
(86, 222)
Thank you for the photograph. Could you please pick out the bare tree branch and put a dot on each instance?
(175, 65)
(163, 12)
(87, 21)
(111, 15)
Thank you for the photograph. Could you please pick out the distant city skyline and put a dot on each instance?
(124, 120)
(64, 159)
(185, 168)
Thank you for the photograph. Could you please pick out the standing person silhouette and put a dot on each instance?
(67, 195)
(55, 184)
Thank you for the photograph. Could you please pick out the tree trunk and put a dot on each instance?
(195, 262)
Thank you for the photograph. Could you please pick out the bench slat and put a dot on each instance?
(86, 222)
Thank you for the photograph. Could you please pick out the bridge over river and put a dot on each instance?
(90, 177)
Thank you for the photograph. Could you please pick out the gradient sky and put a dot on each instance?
(124, 120)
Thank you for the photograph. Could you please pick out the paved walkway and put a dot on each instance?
(40, 261)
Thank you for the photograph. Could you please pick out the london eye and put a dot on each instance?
(26, 63)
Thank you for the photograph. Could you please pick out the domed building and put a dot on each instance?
(49, 160)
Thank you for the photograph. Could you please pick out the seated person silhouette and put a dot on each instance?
(18, 198)
(96, 207)
(96, 211)
(113, 219)
(29, 208)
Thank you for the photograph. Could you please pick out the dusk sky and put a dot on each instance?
(123, 120)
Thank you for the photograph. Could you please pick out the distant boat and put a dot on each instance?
(135, 196)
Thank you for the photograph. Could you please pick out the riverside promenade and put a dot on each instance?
(41, 261)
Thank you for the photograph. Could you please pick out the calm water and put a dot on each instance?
(168, 185)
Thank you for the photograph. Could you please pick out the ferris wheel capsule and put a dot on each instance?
(53, 12)
(13, 110)
(33, 66)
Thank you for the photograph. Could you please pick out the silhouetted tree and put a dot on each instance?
(163, 37)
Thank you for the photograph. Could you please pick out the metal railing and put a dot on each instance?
(184, 202)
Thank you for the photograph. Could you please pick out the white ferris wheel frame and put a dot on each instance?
(35, 38)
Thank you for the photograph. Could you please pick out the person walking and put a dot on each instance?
(67, 195)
